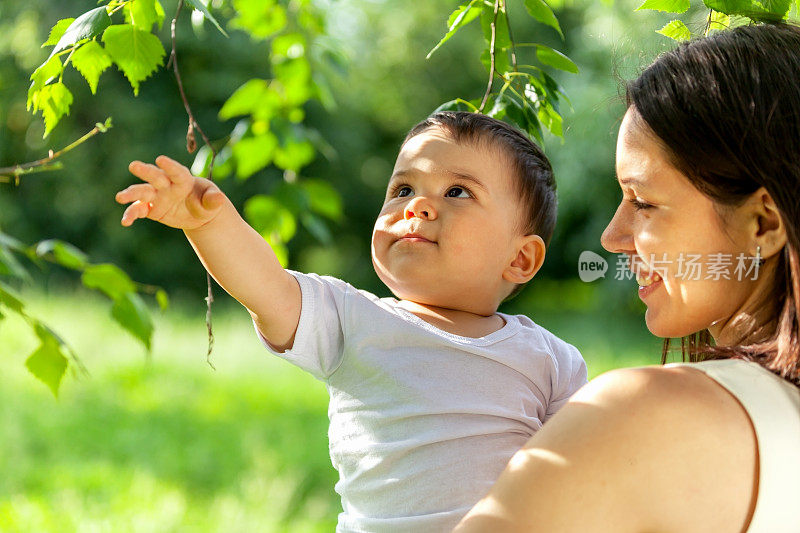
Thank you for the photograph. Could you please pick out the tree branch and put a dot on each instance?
(491, 58)
(12, 173)
(191, 145)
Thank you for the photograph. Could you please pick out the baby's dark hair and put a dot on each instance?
(535, 183)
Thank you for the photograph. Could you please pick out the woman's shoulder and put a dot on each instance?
(681, 401)
(690, 430)
(641, 449)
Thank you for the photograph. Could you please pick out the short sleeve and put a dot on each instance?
(319, 340)
(571, 375)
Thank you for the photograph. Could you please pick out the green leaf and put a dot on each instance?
(162, 298)
(292, 196)
(539, 10)
(86, 26)
(144, 13)
(109, 279)
(131, 313)
(501, 61)
(137, 53)
(550, 118)
(54, 101)
(91, 60)
(676, 30)
(64, 253)
(498, 110)
(46, 72)
(10, 300)
(260, 18)
(502, 38)
(293, 78)
(270, 218)
(10, 266)
(294, 154)
(525, 119)
(719, 21)
(254, 153)
(289, 46)
(555, 59)
(779, 8)
(459, 18)
(48, 363)
(730, 7)
(8, 241)
(57, 32)
(667, 6)
(553, 88)
(245, 100)
(459, 104)
(323, 198)
(200, 6)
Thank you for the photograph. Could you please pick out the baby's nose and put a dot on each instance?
(419, 213)
(419, 207)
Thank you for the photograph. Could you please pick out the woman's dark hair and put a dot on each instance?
(535, 183)
(727, 110)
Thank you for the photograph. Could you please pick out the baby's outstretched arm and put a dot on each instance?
(238, 258)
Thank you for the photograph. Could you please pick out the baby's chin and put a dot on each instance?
(411, 292)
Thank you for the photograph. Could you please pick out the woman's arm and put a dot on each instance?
(646, 449)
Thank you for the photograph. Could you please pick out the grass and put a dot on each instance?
(171, 445)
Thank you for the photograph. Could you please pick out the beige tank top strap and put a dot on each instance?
(773, 405)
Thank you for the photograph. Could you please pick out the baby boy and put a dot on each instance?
(433, 391)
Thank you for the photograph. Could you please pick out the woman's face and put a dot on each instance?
(666, 227)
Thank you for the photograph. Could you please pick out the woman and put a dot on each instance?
(708, 159)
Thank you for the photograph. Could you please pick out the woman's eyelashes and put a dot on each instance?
(456, 191)
(639, 204)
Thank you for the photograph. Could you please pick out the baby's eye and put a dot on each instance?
(403, 191)
(457, 192)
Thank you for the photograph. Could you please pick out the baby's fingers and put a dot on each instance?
(177, 173)
(150, 173)
(136, 210)
(143, 192)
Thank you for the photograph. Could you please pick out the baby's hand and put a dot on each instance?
(171, 195)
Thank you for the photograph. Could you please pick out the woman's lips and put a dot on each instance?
(648, 283)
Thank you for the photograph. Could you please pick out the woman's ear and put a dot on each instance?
(768, 231)
(527, 262)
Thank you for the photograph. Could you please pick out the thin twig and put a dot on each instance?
(209, 301)
(12, 173)
(193, 125)
(708, 22)
(491, 58)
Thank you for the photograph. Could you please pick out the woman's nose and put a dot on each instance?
(617, 237)
(420, 207)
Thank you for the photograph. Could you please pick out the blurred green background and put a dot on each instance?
(166, 443)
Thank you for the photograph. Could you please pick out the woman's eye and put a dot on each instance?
(638, 204)
(404, 191)
(457, 192)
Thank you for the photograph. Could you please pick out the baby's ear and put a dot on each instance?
(527, 262)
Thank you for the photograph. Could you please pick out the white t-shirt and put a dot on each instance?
(422, 422)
